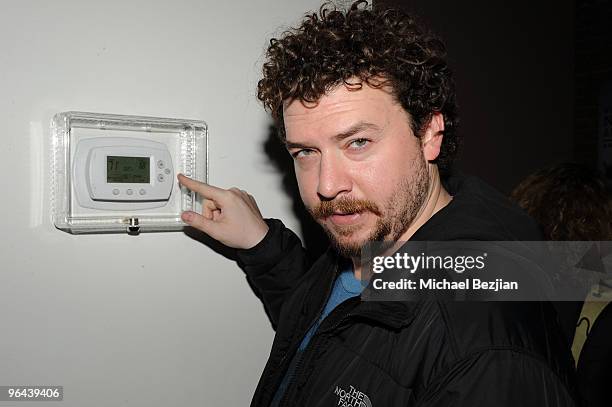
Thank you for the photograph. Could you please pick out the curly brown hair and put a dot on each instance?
(378, 47)
(569, 200)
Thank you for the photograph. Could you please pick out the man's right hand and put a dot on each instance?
(230, 216)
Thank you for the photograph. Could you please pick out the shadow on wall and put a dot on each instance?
(314, 239)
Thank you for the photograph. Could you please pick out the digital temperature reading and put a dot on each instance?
(121, 169)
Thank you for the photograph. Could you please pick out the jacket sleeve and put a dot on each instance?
(501, 378)
(274, 266)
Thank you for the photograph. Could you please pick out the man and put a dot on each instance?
(365, 104)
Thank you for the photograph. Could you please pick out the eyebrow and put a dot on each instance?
(351, 131)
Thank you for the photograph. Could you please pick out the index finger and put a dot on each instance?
(205, 190)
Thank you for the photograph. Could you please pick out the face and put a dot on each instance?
(361, 172)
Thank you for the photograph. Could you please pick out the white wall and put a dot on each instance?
(153, 320)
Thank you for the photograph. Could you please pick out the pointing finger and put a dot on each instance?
(207, 191)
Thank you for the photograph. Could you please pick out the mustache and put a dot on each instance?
(344, 205)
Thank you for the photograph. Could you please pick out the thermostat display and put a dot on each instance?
(114, 173)
(128, 169)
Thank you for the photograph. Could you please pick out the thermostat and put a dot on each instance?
(122, 173)
(114, 173)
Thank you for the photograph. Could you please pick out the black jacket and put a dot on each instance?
(427, 353)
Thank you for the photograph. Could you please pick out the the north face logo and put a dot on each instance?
(352, 398)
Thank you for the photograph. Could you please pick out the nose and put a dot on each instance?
(334, 178)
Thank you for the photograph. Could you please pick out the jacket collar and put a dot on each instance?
(393, 314)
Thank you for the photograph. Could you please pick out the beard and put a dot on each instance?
(394, 219)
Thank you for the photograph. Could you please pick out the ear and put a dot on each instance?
(432, 138)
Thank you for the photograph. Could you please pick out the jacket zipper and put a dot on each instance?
(318, 314)
(294, 349)
(312, 349)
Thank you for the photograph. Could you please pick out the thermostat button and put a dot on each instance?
(142, 191)
(167, 171)
(115, 191)
(129, 192)
(160, 177)
(160, 164)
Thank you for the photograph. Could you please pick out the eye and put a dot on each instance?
(358, 143)
(302, 153)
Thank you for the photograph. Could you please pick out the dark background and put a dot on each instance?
(528, 77)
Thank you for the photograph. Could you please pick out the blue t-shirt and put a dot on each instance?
(346, 286)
